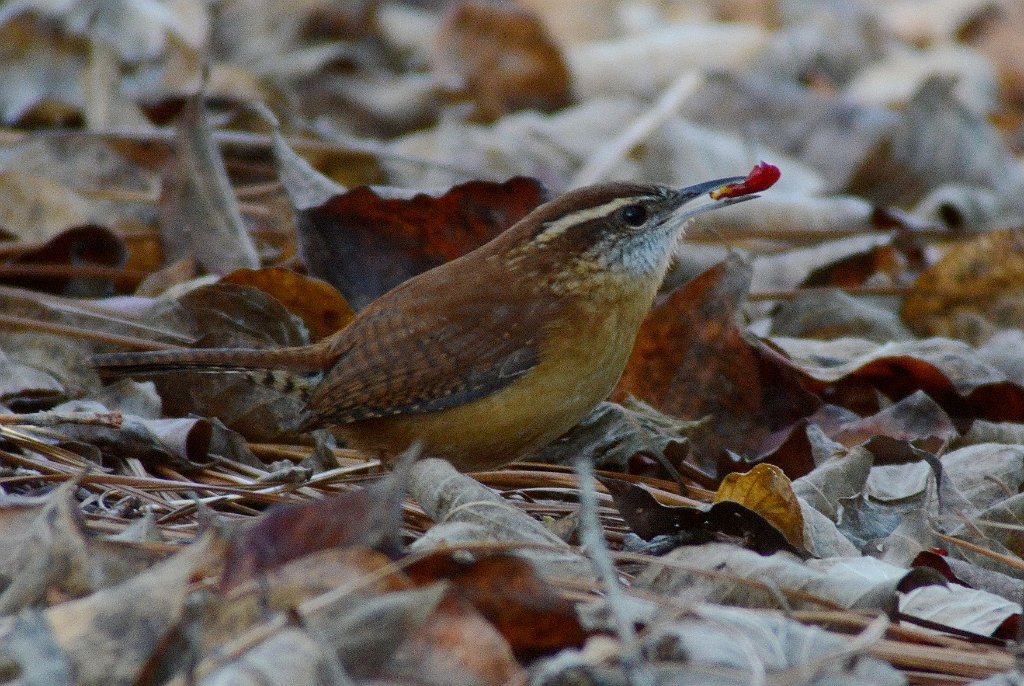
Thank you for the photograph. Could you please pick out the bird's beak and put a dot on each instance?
(692, 192)
(686, 197)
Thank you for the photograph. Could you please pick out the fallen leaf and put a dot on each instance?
(615, 434)
(466, 510)
(830, 313)
(693, 526)
(507, 591)
(938, 140)
(692, 360)
(840, 477)
(364, 244)
(858, 582)
(288, 532)
(79, 246)
(199, 214)
(321, 307)
(110, 636)
(502, 57)
(977, 278)
(916, 419)
(949, 372)
(704, 643)
(456, 639)
(766, 491)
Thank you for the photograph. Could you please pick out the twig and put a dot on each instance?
(592, 537)
(110, 419)
(339, 143)
(608, 155)
(127, 277)
(849, 290)
(15, 322)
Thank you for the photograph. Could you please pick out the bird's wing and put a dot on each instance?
(406, 359)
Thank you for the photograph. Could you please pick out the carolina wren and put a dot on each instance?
(493, 355)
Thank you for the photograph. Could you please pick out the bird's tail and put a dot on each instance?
(292, 371)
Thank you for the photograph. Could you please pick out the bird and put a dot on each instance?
(489, 357)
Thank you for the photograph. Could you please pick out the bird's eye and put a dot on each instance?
(634, 215)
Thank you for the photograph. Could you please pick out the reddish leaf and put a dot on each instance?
(321, 307)
(507, 591)
(692, 360)
(951, 373)
(288, 532)
(365, 245)
(788, 448)
(932, 560)
(80, 246)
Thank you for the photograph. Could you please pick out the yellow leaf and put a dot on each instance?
(766, 490)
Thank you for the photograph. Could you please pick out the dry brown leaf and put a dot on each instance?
(977, 279)
(110, 636)
(294, 583)
(199, 212)
(916, 419)
(938, 141)
(858, 582)
(55, 556)
(507, 591)
(894, 79)
(79, 246)
(322, 309)
(691, 360)
(502, 58)
(456, 639)
(826, 133)
(615, 435)
(366, 242)
(468, 511)
(22, 382)
(766, 490)
(703, 645)
(361, 517)
(366, 635)
(644, 63)
(950, 372)
(828, 313)
(831, 482)
(38, 208)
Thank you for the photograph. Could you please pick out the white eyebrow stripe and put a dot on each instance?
(559, 226)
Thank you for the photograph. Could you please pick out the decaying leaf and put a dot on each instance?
(467, 510)
(508, 592)
(365, 244)
(615, 434)
(978, 279)
(111, 635)
(950, 372)
(706, 639)
(829, 313)
(359, 517)
(906, 455)
(199, 212)
(692, 525)
(766, 491)
(692, 360)
(502, 58)
(321, 308)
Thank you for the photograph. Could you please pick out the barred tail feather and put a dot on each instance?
(291, 371)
